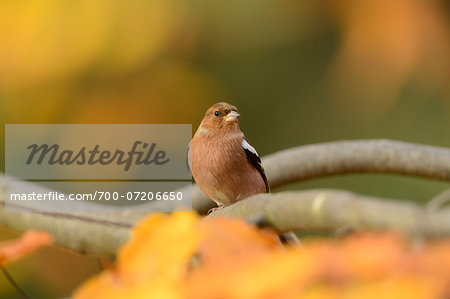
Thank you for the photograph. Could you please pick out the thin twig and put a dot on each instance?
(13, 283)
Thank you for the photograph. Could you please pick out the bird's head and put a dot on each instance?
(220, 115)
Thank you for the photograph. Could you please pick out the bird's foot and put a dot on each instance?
(215, 209)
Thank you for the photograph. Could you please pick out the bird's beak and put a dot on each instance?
(233, 115)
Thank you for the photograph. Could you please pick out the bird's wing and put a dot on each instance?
(254, 159)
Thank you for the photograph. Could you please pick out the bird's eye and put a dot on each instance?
(216, 113)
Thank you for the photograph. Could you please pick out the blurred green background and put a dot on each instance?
(299, 72)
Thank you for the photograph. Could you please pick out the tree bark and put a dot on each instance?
(343, 157)
(329, 210)
(312, 210)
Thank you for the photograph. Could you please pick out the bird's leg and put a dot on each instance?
(215, 209)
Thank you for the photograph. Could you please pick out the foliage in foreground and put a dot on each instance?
(182, 256)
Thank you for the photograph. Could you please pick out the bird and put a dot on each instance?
(224, 164)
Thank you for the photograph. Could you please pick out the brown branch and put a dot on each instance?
(329, 210)
(90, 232)
(287, 211)
(310, 210)
(343, 157)
(101, 233)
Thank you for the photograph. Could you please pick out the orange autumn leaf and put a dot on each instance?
(230, 238)
(162, 250)
(160, 246)
(182, 256)
(27, 243)
(153, 262)
(280, 274)
(109, 285)
(371, 255)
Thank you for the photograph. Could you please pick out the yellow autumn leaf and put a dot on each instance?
(154, 261)
(182, 256)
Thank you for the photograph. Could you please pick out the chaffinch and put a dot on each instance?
(223, 163)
